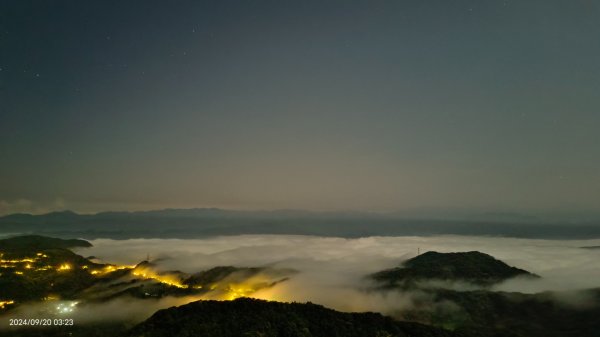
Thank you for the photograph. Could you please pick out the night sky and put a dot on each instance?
(323, 105)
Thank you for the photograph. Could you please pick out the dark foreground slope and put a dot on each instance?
(499, 314)
(474, 267)
(251, 317)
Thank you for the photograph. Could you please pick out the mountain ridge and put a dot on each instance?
(206, 222)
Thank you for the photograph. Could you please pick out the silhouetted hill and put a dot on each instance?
(251, 317)
(474, 267)
(38, 242)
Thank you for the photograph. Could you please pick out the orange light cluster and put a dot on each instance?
(25, 263)
(147, 273)
(237, 291)
(108, 269)
(64, 267)
(3, 304)
(17, 261)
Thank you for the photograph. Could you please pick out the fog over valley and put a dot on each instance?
(338, 261)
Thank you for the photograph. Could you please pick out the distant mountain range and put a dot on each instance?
(202, 222)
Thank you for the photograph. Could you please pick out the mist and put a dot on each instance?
(331, 271)
(562, 264)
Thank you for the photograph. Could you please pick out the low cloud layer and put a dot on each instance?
(331, 271)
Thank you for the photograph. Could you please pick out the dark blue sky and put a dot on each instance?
(326, 105)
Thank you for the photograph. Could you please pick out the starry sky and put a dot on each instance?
(323, 105)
